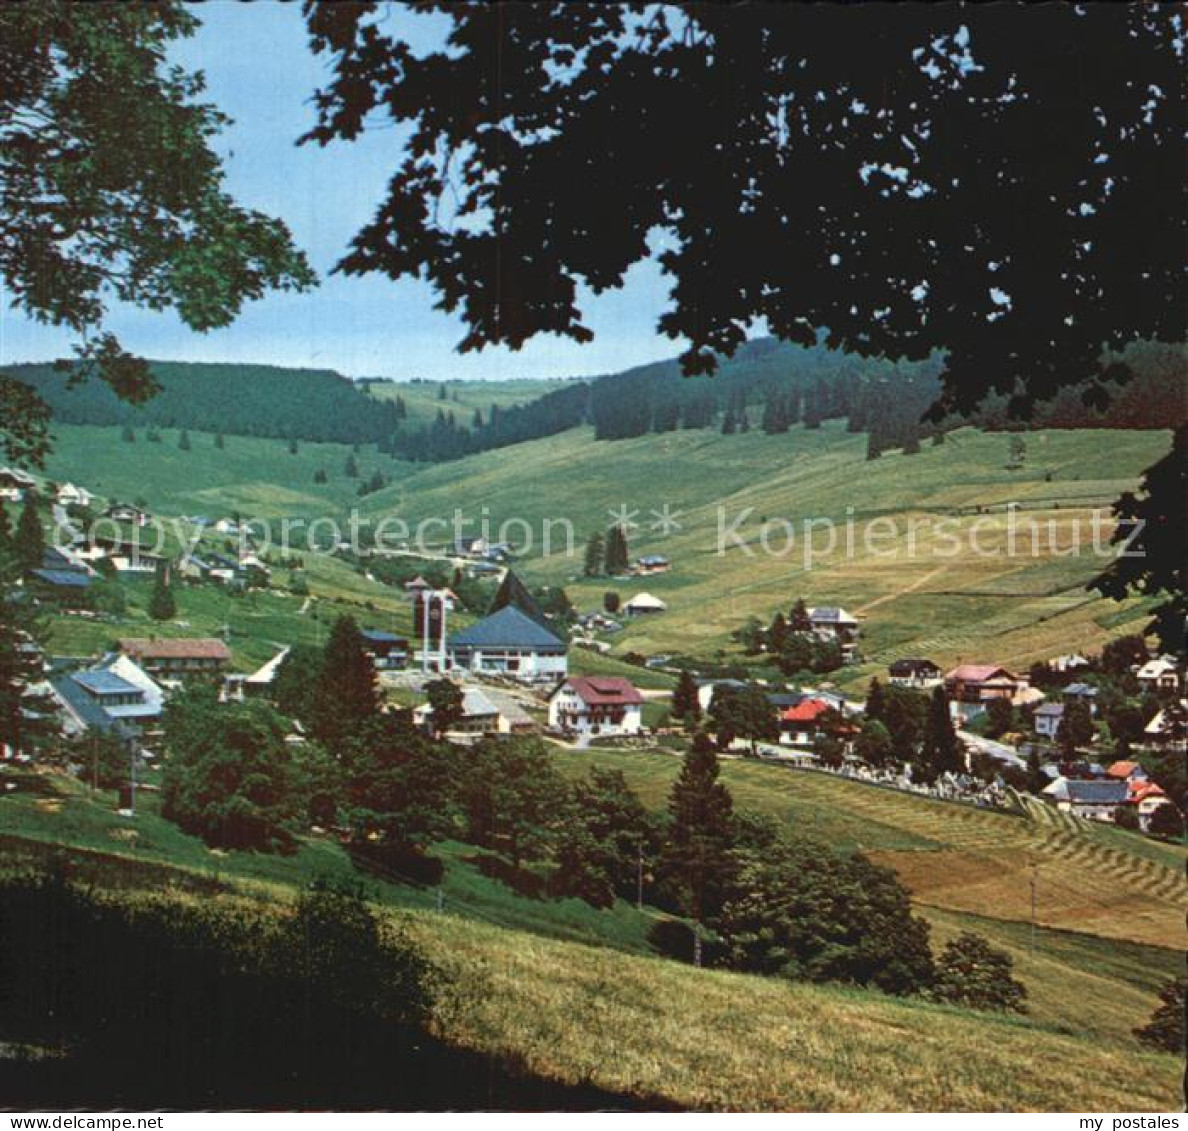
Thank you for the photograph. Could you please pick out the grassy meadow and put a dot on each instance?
(935, 593)
(422, 398)
(574, 994)
(914, 597)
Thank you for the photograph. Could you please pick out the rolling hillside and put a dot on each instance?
(552, 986)
(977, 602)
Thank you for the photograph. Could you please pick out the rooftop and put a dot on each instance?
(192, 648)
(507, 628)
(604, 690)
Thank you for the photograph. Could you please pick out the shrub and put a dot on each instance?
(972, 973)
(1165, 1030)
(801, 911)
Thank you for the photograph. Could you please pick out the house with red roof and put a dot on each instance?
(596, 705)
(800, 724)
(174, 657)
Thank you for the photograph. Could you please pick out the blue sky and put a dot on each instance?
(260, 71)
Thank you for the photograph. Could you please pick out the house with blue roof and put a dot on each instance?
(510, 642)
(104, 701)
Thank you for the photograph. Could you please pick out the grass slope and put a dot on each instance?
(977, 602)
(931, 601)
(422, 398)
(572, 994)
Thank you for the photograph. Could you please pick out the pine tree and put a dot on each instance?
(728, 422)
(292, 447)
(320, 475)
(617, 557)
(183, 441)
(941, 750)
(351, 469)
(685, 703)
(799, 620)
(347, 696)
(595, 554)
(876, 700)
(220, 441)
(127, 435)
(478, 419)
(513, 592)
(29, 540)
(698, 857)
(162, 605)
(777, 634)
(25, 715)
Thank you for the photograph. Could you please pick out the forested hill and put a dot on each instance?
(770, 385)
(767, 386)
(249, 400)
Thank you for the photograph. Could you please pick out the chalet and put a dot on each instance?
(1081, 693)
(417, 586)
(63, 577)
(800, 725)
(1046, 720)
(1072, 661)
(480, 717)
(511, 643)
(707, 689)
(833, 623)
(652, 563)
(387, 650)
(979, 683)
(259, 684)
(14, 483)
(914, 673)
(1093, 800)
(71, 496)
(482, 549)
(124, 512)
(116, 697)
(1146, 797)
(644, 604)
(1160, 674)
(1127, 771)
(596, 705)
(177, 657)
(1168, 728)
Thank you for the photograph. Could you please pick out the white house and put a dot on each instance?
(596, 705)
(71, 496)
(480, 717)
(1047, 719)
(1093, 800)
(833, 623)
(642, 604)
(511, 643)
(915, 673)
(14, 483)
(1159, 675)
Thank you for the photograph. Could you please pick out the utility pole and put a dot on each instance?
(1034, 873)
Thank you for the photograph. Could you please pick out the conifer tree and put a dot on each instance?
(876, 700)
(220, 441)
(685, 704)
(698, 856)
(941, 750)
(29, 540)
(595, 554)
(799, 621)
(347, 696)
(617, 557)
(183, 441)
(162, 605)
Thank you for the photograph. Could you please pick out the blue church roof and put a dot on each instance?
(507, 628)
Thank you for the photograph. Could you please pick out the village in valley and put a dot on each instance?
(1070, 733)
(593, 557)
